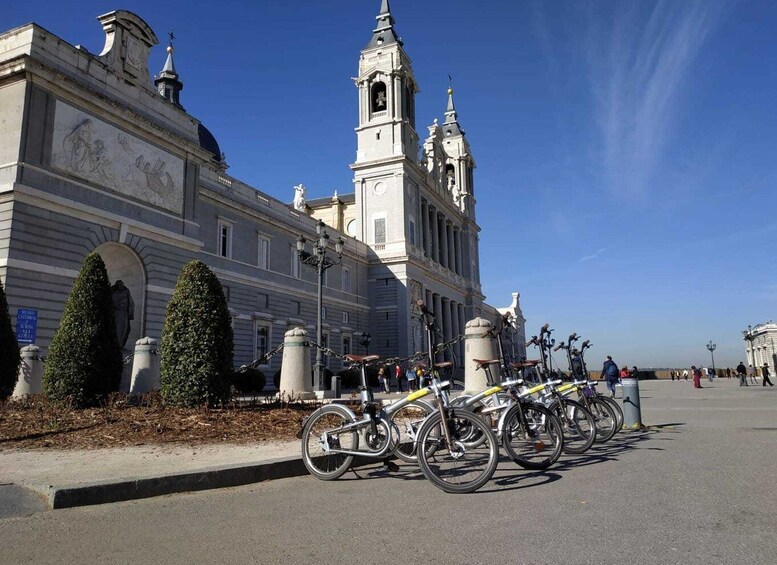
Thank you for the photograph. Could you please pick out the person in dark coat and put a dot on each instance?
(765, 374)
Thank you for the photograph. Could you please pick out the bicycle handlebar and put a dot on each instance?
(559, 346)
(573, 337)
(544, 329)
(532, 341)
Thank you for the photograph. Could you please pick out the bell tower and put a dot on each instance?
(387, 90)
(386, 139)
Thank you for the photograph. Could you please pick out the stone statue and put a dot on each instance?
(299, 197)
(123, 310)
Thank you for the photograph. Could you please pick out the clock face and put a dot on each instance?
(350, 229)
(379, 188)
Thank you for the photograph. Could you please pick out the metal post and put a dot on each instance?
(711, 347)
(318, 383)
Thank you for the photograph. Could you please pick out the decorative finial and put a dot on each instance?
(170, 47)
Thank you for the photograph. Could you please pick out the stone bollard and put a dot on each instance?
(145, 367)
(476, 346)
(632, 412)
(295, 366)
(30, 379)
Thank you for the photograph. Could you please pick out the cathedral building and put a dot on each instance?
(96, 155)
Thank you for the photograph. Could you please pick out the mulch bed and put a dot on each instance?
(34, 423)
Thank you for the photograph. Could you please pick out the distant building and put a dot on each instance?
(762, 347)
(95, 155)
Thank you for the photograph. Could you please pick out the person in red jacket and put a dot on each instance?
(696, 376)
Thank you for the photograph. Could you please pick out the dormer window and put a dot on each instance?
(378, 97)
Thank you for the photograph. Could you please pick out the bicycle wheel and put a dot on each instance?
(604, 417)
(320, 435)
(617, 410)
(456, 468)
(578, 425)
(405, 424)
(538, 444)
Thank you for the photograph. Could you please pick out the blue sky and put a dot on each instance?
(625, 150)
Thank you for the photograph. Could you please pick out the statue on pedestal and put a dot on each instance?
(123, 310)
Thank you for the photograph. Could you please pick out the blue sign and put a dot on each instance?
(26, 325)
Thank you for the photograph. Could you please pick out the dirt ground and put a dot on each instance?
(34, 423)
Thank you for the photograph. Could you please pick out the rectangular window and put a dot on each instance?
(295, 263)
(227, 292)
(411, 229)
(380, 230)
(296, 307)
(323, 312)
(262, 343)
(325, 278)
(346, 280)
(224, 245)
(263, 259)
(346, 345)
(346, 317)
(263, 301)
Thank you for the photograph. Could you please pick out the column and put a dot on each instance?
(462, 322)
(451, 248)
(455, 331)
(435, 233)
(443, 241)
(424, 227)
(438, 316)
(446, 325)
(457, 249)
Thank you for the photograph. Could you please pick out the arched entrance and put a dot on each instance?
(122, 263)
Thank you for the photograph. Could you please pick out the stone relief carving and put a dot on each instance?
(104, 155)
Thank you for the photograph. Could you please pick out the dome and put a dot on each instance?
(208, 142)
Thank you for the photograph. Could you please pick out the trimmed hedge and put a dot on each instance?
(9, 350)
(197, 341)
(84, 363)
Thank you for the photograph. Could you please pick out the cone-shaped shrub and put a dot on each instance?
(197, 340)
(84, 362)
(9, 350)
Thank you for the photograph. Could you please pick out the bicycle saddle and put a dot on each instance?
(361, 358)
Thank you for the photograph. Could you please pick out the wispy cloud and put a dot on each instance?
(639, 62)
(592, 255)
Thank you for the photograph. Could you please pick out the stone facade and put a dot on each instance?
(96, 156)
(762, 347)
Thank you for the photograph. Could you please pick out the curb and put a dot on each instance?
(102, 492)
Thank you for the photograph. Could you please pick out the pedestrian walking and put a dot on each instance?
(752, 377)
(728, 373)
(384, 380)
(685, 375)
(410, 378)
(742, 374)
(398, 375)
(708, 372)
(610, 373)
(765, 375)
(671, 374)
(696, 377)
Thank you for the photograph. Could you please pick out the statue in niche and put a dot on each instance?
(123, 311)
(299, 197)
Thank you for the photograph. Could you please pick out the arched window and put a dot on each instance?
(378, 98)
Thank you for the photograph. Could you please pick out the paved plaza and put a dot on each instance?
(697, 487)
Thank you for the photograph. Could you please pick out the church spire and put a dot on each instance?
(384, 33)
(167, 82)
(451, 125)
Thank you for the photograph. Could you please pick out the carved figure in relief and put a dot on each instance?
(299, 197)
(78, 145)
(156, 178)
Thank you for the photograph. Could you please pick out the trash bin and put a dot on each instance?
(632, 412)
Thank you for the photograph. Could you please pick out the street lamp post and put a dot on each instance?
(365, 342)
(711, 348)
(319, 261)
(748, 336)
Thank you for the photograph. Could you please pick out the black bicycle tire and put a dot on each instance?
(552, 422)
(308, 459)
